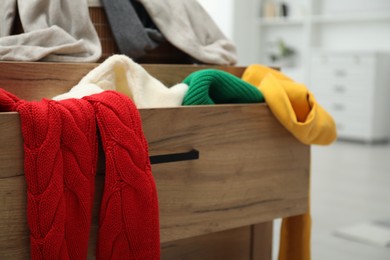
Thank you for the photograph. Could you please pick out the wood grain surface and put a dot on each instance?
(262, 241)
(33, 81)
(250, 170)
(229, 244)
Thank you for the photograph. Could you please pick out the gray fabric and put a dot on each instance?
(131, 36)
(7, 15)
(143, 15)
(54, 30)
(189, 27)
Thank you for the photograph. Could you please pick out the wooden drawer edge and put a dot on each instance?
(266, 179)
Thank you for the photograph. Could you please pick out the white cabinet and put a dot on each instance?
(354, 87)
(340, 53)
(310, 26)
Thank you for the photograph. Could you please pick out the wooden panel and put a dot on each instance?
(14, 234)
(250, 169)
(33, 81)
(103, 29)
(262, 241)
(231, 244)
(11, 149)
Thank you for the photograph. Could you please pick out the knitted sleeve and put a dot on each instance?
(59, 165)
(129, 222)
(212, 86)
(60, 157)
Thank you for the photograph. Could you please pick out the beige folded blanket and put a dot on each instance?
(58, 30)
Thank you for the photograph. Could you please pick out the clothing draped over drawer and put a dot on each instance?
(60, 151)
(211, 86)
(122, 74)
(293, 105)
(298, 111)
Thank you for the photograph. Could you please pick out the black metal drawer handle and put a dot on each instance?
(174, 157)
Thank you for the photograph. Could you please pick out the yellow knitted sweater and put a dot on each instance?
(298, 111)
(293, 105)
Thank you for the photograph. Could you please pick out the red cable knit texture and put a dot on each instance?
(60, 144)
(128, 224)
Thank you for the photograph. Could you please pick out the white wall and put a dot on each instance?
(222, 13)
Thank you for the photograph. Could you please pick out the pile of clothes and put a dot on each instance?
(62, 30)
(60, 147)
(61, 135)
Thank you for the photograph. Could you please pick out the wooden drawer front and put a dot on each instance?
(34, 81)
(245, 243)
(250, 169)
(232, 244)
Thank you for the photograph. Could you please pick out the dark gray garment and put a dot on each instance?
(188, 27)
(143, 16)
(7, 16)
(134, 32)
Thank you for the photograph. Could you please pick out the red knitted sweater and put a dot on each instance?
(60, 150)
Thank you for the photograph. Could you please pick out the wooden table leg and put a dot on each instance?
(262, 241)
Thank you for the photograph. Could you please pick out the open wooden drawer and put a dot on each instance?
(250, 169)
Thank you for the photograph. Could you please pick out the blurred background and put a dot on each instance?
(340, 49)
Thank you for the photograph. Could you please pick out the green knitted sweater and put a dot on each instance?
(211, 86)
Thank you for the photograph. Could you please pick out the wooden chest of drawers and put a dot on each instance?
(250, 169)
